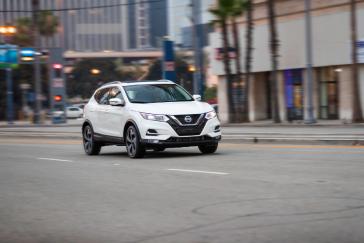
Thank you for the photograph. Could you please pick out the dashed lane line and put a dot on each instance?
(199, 171)
(52, 159)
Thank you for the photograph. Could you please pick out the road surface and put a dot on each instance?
(51, 192)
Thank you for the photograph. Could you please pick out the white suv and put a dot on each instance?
(148, 115)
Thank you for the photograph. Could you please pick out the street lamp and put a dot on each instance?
(95, 71)
(8, 31)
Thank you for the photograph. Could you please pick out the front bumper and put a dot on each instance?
(175, 142)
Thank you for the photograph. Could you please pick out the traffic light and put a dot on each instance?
(57, 98)
(57, 70)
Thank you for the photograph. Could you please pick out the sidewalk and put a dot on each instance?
(323, 132)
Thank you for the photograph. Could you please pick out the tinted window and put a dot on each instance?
(156, 93)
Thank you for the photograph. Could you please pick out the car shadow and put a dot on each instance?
(161, 155)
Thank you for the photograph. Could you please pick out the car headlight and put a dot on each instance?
(210, 115)
(154, 117)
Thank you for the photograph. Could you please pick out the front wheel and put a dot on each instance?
(133, 146)
(208, 148)
(90, 146)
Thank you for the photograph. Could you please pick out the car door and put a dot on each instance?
(98, 110)
(115, 115)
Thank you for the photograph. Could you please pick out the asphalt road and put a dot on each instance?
(51, 192)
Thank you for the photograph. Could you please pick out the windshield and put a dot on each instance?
(156, 93)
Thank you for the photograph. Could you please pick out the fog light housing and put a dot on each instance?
(152, 132)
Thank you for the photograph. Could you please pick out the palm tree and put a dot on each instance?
(248, 53)
(357, 112)
(47, 25)
(222, 13)
(274, 58)
(238, 8)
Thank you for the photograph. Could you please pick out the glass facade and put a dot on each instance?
(111, 28)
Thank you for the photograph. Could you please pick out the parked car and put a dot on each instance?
(74, 112)
(148, 115)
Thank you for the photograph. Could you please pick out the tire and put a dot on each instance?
(209, 148)
(159, 149)
(132, 142)
(89, 145)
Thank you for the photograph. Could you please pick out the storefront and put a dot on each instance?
(328, 92)
(293, 84)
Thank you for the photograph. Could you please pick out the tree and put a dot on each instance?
(184, 76)
(248, 54)
(357, 112)
(47, 25)
(222, 13)
(239, 6)
(274, 58)
(82, 82)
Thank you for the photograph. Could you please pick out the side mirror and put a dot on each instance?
(117, 102)
(197, 97)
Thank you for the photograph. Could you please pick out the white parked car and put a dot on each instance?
(148, 115)
(74, 112)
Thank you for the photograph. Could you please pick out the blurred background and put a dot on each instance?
(279, 60)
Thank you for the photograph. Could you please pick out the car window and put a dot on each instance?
(115, 93)
(104, 100)
(155, 93)
(101, 95)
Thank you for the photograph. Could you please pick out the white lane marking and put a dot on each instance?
(115, 164)
(200, 171)
(60, 160)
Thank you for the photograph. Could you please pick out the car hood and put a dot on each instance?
(173, 108)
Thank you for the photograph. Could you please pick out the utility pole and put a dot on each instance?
(196, 20)
(309, 87)
(37, 71)
(9, 96)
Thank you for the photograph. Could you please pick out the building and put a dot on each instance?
(147, 24)
(180, 19)
(332, 84)
(98, 25)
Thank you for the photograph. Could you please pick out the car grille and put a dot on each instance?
(189, 139)
(193, 119)
(188, 130)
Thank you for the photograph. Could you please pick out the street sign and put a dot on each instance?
(169, 71)
(27, 52)
(9, 54)
(360, 50)
(58, 83)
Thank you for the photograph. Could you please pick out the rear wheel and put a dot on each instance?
(208, 148)
(133, 146)
(90, 146)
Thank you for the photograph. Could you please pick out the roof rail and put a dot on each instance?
(113, 82)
